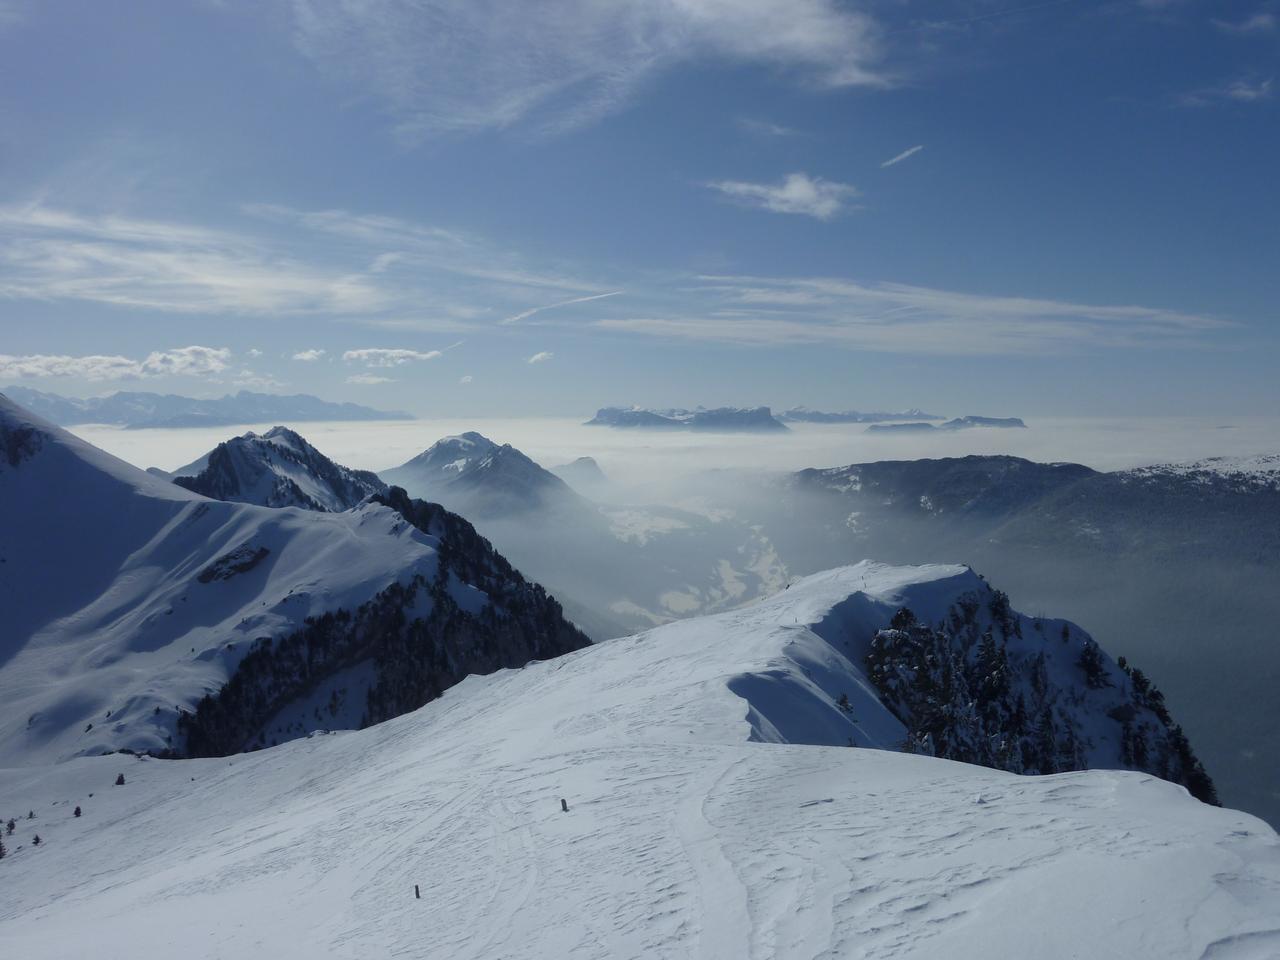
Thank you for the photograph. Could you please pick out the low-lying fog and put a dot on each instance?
(656, 457)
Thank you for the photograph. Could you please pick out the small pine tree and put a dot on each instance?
(3, 851)
(35, 841)
(77, 811)
(1095, 671)
(844, 704)
(31, 814)
(120, 780)
(9, 827)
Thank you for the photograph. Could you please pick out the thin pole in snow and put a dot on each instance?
(417, 894)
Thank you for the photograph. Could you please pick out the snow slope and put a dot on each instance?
(126, 598)
(692, 828)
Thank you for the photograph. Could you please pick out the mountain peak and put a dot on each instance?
(477, 476)
(277, 469)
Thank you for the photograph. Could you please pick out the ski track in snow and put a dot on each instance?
(682, 839)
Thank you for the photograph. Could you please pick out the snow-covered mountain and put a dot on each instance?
(141, 615)
(688, 792)
(477, 477)
(277, 469)
(138, 409)
(1173, 566)
(720, 419)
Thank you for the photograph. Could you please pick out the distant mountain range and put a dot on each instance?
(762, 419)
(959, 423)
(721, 419)
(136, 410)
(805, 415)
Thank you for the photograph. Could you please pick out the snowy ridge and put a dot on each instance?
(127, 598)
(683, 838)
(1259, 472)
(277, 469)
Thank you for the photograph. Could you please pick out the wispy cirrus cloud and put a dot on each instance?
(901, 318)
(1261, 22)
(368, 379)
(370, 269)
(1233, 91)
(193, 361)
(308, 356)
(541, 357)
(388, 356)
(909, 152)
(524, 315)
(52, 254)
(796, 193)
(459, 66)
(766, 128)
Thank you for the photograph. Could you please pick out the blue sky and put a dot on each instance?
(501, 208)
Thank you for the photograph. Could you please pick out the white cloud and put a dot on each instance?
(387, 357)
(766, 128)
(900, 318)
(49, 254)
(910, 151)
(461, 66)
(1235, 91)
(416, 246)
(1261, 22)
(466, 378)
(797, 193)
(253, 352)
(540, 357)
(368, 379)
(563, 303)
(308, 356)
(249, 380)
(193, 361)
(367, 269)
